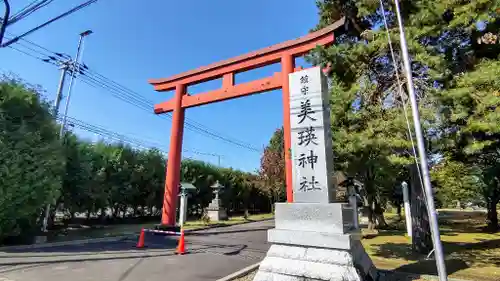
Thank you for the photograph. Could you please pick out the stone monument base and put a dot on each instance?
(217, 215)
(315, 242)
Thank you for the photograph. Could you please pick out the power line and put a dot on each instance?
(75, 9)
(189, 123)
(125, 138)
(22, 10)
(26, 53)
(49, 52)
(400, 92)
(127, 95)
(105, 133)
(96, 84)
(28, 10)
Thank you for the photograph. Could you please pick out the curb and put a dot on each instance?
(240, 273)
(65, 243)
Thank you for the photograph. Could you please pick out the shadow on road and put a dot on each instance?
(36, 263)
(33, 261)
(155, 245)
(124, 249)
(126, 244)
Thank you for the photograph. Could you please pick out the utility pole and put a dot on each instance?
(74, 70)
(57, 102)
(441, 268)
(73, 67)
(5, 20)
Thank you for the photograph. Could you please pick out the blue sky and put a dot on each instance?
(134, 41)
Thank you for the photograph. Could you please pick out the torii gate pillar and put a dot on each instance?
(172, 180)
(285, 53)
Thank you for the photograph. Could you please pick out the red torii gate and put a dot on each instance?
(285, 53)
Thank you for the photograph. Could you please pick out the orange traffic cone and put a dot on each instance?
(181, 250)
(140, 243)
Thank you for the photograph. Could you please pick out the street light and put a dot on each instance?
(74, 66)
(86, 33)
(73, 74)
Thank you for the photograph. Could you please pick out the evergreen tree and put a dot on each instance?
(369, 125)
(453, 47)
(31, 158)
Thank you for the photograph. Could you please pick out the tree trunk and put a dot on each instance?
(273, 201)
(115, 212)
(52, 216)
(421, 231)
(102, 215)
(398, 210)
(371, 219)
(492, 215)
(492, 201)
(246, 205)
(379, 216)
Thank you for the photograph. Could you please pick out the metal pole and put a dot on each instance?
(57, 104)
(421, 150)
(5, 20)
(70, 88)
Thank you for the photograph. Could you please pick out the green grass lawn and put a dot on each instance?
(131, 229)
(471, 254)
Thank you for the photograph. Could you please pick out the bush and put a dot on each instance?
(31, 158)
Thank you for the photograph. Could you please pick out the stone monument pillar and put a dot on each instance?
(184, 195)
(314, 238)
(406, 202)
(215, 211)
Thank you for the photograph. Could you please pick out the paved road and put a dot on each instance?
(214, 253)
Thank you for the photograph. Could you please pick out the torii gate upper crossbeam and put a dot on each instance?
(284, 52)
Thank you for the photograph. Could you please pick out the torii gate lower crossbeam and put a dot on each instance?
(285, 53)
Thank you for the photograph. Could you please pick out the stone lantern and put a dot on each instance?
(215, 211)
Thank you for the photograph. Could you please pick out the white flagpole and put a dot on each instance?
(438, 248)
